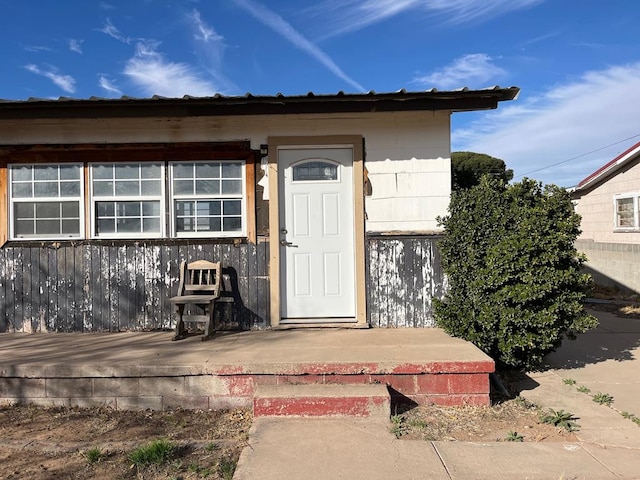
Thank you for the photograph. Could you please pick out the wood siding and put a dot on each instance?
(120, 286)
(109, 286)
(404, 275)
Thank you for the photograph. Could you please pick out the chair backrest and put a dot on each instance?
(200, 277)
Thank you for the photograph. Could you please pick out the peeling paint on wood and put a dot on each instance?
(100, 287)
(404, 275)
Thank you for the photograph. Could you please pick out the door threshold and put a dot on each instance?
(291, 325)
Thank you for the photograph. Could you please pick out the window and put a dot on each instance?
(127, 200)
(45, 201)
(315, 171)
(627, 208)
(208, 198)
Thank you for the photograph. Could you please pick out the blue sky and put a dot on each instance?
(576, 61)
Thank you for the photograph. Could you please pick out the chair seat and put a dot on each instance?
(193, 299)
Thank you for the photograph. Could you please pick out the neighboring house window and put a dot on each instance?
(208, 198)
(627, 208)
(45, 201)
(127, 200)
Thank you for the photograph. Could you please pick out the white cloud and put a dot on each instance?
(351, 15)
(597, 110)
(36, 48)
(156, 75)
(111, 30)
(75, 45)
(65, 82)
(283, 28)
(204, 32)
(474, 69)
(106, 84)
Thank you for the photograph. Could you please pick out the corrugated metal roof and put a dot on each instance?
(250, 104)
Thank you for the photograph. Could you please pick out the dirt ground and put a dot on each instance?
(73, 443)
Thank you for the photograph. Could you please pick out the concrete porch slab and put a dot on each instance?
(148, 370)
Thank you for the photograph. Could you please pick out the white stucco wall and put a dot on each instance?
(407, 153)
(596, 208)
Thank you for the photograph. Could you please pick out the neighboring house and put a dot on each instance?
(609, 202)
(322, 208)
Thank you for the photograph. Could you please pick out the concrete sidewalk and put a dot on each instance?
(606, 360)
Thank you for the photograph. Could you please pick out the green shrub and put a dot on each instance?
(515, 285)
(157, 452)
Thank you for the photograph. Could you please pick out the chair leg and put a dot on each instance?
(180, 329)
(209, 328)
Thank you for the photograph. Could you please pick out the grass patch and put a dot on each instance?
(157, 452)
(94, 455)
(227, 468)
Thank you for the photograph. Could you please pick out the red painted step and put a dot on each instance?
(322, 401)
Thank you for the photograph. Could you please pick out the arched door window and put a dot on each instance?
(315, 170)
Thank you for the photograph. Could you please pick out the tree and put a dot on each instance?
(468, 167)
(515, 282)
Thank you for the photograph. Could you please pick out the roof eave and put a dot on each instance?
(463, 100)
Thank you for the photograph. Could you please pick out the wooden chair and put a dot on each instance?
(200, 286)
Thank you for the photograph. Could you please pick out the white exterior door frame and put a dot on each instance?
(277, 144)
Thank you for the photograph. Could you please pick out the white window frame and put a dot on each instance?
(33, 199)
(635, 196)
(159, 197)
(242, 196)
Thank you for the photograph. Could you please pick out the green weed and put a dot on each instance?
(157, 452)
(568, 381)
(603, 398)
(514, 437)
(227, 468)
(583, 389)
(560, 419)
(94, 455)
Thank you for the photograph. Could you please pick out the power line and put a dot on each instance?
(576, 157)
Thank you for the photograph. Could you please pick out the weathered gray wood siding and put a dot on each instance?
(404, 274)
(111, 286)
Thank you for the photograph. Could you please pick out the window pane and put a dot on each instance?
(184, 208)
(315, 171)
(232, 224)
(231, 186)
(106, 225)
(103, 189)
(151, 225)
(232, 207)
(183, 187)
(127, 171)
(183, 170)
(105, 209)
(129, 209)
(211, 224)
(69, 172)
(204, 187)
(150, 209)
(624, 212)
(231, 170)
(128, 225)
(70, 227)
(102, 171)
(70, 189)
(47, 227)
(47, 210)
(207, 170)
(127, 188)
(150, 170)
(22, 190)
(151, 187)
(21, 173)
(24, 210)
(24, 227)
(70, 209)
(45, 173)
(45, 189)
(209, 208)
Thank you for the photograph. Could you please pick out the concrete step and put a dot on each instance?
(322, 401)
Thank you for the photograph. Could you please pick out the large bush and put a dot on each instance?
(515, 285)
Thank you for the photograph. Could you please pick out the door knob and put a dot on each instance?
(284, 243)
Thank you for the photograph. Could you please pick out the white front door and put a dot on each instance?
(317, 261)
